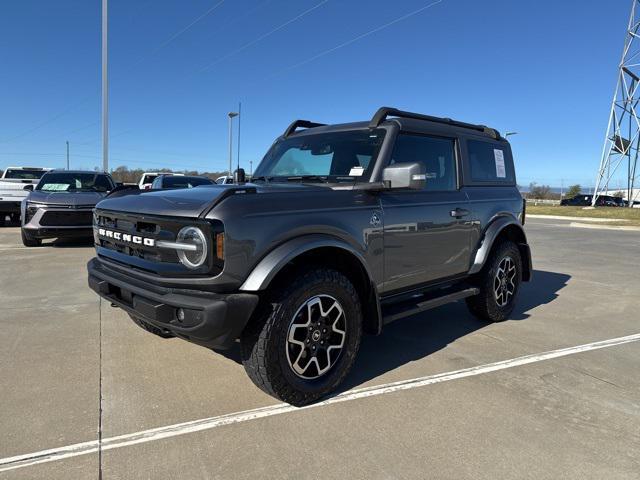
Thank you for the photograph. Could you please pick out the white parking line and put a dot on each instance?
(154, 434)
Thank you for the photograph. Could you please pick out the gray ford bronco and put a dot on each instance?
(342, 229)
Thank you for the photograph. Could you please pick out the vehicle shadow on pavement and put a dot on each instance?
(419, 336)
(416, 337)
(542, 289)
(80, 242)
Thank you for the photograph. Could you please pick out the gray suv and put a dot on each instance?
(61, 205)
(343, 229)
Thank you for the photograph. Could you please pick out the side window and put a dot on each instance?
(156, 183)
(437, 155)
(103, 183)
(489, 162)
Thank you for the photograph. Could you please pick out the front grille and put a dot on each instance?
(129, 224)
(117, 241)
(66, 219)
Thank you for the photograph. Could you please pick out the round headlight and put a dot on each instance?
(195, 256)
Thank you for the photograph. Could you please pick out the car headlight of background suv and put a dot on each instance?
(31, 210)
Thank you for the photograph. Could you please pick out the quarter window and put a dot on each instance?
(489, 162)
(436, 154)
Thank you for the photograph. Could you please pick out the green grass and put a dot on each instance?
(629, 216)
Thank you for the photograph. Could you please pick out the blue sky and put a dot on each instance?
(546, 69)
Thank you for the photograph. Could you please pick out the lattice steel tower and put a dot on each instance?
(622, 143)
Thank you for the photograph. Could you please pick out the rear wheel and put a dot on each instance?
(303, 343)
(499, 282)
(29, 240)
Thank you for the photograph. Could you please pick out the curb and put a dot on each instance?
(583, 219)
(605, 227)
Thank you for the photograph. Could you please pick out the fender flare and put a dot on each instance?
(488, 239)
(274, 261)
(267, 268)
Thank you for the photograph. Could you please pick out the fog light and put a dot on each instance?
(180, 315)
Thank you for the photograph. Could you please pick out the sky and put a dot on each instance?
(545, 69)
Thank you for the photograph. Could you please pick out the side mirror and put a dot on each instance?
(239, 176)
(405, 175)
(28, 188)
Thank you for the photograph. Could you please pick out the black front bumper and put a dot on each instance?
(54, 232)
(8, 207)
(212, 320)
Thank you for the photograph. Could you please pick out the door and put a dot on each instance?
(427, 232)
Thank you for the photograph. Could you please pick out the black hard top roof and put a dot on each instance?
(406, 121)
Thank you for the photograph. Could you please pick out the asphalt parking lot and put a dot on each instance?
(86, 393)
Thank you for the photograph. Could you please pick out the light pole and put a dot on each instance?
(105, 92)
(231, 115)
(250, 168)
(239, 120)
(67, 154)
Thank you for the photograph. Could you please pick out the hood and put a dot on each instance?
(190, 202)
(66, 198)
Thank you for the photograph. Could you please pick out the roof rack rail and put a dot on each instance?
(384, 112)
(301, 123)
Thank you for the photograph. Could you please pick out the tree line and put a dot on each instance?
(544, 192)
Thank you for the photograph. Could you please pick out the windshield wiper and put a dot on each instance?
(307, 178)
(263, 178)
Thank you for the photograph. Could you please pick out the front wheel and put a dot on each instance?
(28, 240)
(499, 282)
(305, 340)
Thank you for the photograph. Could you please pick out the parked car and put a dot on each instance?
(577, 201)
(12, 190)
(62, 205)
(179, 181)
(586, 200)
(344, 229)
(147, 179)
(225, 180)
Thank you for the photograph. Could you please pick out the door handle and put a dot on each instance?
(459, 212)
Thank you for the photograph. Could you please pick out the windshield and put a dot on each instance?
(24, 173)
(75, 182)
(148, 178)
(184, 182)
(332, 156)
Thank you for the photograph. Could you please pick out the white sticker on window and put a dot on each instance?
(56, 187)
(500, 170)
(356, 171)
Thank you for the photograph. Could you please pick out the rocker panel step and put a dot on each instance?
(406, 309)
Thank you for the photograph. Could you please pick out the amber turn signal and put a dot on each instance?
(220, 246)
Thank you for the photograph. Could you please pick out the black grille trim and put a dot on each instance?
(54, 218)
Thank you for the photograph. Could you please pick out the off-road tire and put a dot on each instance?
(484, 305)
(152, 329)
(264, 341)
(29, 240)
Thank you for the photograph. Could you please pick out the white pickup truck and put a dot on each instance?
(12, 191)
(147, 179)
